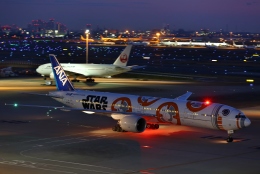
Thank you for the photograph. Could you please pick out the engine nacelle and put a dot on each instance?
(51, 75)
(133, 123)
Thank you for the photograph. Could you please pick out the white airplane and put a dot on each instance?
(136, 113)
(93, 70)
(238, 46)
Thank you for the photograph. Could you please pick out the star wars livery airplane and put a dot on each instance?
(93, 70)
(136, 113)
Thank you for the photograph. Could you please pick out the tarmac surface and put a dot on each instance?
(38, 140)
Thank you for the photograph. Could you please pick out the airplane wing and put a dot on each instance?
(87, 111)
(133, 67)
(184, 96)
(76, 71)
(148, 117)
(47, 95)
(38, 106)
(31, 93)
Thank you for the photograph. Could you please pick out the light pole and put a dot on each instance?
(158, 37)
(87, 33)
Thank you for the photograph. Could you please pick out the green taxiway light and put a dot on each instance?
(15, 105)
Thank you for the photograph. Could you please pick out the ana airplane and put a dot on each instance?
(136, 113)
(92, 70)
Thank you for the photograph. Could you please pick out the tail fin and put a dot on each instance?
(62, 81)
(123, 57)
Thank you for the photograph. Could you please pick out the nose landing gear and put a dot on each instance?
(90, 80)
(230, 139)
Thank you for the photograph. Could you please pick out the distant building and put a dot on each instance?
(40, 28)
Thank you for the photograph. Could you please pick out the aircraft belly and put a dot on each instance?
(202, 123)
(97, 73)
(197, 119)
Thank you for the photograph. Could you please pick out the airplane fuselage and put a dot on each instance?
(88, 70)
(157, 110)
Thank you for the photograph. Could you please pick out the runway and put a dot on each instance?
(38, 140)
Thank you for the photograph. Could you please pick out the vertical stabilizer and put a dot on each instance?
(62, 81)
(123, 57)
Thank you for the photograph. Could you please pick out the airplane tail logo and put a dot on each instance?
(62, 81)
(123, 57)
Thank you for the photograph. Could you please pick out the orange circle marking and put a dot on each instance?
(191, 106)
(168, 105)
(146, 102)
(122, 100)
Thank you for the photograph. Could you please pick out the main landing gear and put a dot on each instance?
(90, 80)
(75, 79)
(118, 128)
(230, 139)
(152, 126)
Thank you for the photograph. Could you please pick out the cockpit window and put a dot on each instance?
(225, 112)
(240, 116)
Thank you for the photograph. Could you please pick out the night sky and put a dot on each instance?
(229, 15)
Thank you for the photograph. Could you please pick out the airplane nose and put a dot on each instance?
(247, 122)
(37, 70)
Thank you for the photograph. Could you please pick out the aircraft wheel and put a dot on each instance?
(114, 128)
(88, 80)
(119, 129)
(148, 126)
(156, 126)
(152, 126)
(229, 139)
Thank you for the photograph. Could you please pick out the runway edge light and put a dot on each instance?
(15, 104)
(249, 80)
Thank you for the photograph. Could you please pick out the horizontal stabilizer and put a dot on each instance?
(133, 67)
(184, 96)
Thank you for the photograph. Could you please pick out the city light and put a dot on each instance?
(158, 36)
(87, 35)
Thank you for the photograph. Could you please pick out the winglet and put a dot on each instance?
(123, 57)
(184, 96)
(62, 81)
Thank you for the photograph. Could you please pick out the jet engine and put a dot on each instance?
(51, 75)
(133, 123)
